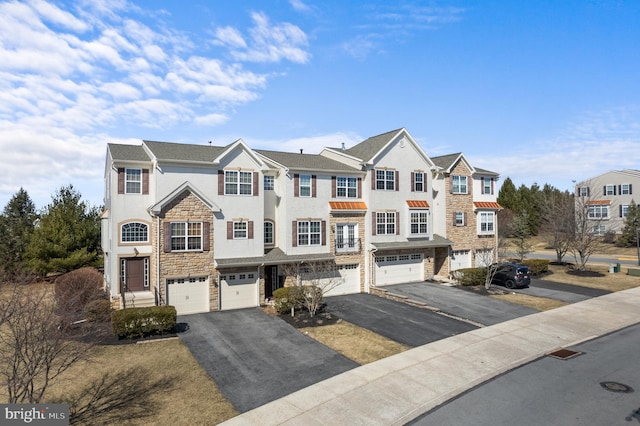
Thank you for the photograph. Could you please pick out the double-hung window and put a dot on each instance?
(305, 185)
(386, 179)
(269, 236)
(240, 230)
(268, 183)
(418, 182)
(385, 223)
(419, 222)
(133, 181)
(186, 236)
(237, 182)
(459, 184)
(625, 189)
(346, 187)
(459, 219)
(609, 190)
(309, 232)
(583, 191)
(598, 212)
(486, 185)
(486, 222)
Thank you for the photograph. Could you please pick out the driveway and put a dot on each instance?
(565, 292)
(397, 321)
(255, 358)
(461, 303)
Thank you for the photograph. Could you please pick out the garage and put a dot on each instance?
(460, 259)
(188, 295)
(345, 279)
(238, 290)
(396, 269)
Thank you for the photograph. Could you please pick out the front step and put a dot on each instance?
(139, 299)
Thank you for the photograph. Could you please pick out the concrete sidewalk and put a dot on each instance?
(397, 389)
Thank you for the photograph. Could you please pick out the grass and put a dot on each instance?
(356, 343)
(182, 391)
(535, 302)
(611, 282)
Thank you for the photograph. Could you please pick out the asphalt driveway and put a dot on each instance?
(397, 321)
(568, 293)
(255, 358)
(461, 303)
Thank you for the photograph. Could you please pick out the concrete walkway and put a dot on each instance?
(397, 389)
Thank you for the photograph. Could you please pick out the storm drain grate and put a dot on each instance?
(564, 354)
(616, 387)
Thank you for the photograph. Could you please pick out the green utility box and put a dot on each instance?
(634, 272)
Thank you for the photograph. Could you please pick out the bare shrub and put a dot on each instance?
(34, 344)
(75, 289)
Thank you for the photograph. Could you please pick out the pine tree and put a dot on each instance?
(628, 236)
(508, 196)
(67, 236)
(16, 227)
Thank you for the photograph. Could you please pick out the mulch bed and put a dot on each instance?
(302, 318)
(101, 333)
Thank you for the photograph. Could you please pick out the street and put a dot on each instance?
(597, 387)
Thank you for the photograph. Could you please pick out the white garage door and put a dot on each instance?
(188, 295)
(396, 269)
(460, 259)
(238, 290)
(350, 280)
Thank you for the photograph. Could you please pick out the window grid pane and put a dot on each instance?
(133, 181)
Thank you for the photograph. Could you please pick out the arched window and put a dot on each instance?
(135, 232)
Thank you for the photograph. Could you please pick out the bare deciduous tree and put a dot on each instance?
(558, 222)
(588, 219)
(486, 256)
(316, 279)
(521, 233)
(35, 348)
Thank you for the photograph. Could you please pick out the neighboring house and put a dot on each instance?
(607, 197)
(214, 228)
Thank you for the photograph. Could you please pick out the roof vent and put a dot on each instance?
(300, 150)
(343, 147)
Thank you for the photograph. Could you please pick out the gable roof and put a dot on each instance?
(239, 144)
(299, 161)
(368, 148)
(127, 152)
(447, 163)
(171, 151)
(156, 209)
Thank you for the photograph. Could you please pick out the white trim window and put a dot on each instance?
(609, 190)
(625, 189)
(583, 191)
(487, 223)
(269, 235)
(386, 179)
(598, 212)
(309, 232)
(599, 230)
(268, 183)
(134, 232)
(347, 237)
(385, 223)
(240, 230)
(186, 236)
(459, 219)
(419, 222)
(418, 182)
(487, 188)
(459, 184)
(237, 182)
(346, 187)
(133, 181)
(305, 185)
(624, 210)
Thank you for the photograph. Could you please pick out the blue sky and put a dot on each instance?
(538, 91)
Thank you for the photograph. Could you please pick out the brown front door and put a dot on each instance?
(135, 276)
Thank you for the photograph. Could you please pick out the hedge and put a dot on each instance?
(471, 276)
(139, 322)
(536, 266)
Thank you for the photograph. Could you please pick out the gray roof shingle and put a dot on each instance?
(127, 152)
(305, 161)
(184, 152)
(366, 149)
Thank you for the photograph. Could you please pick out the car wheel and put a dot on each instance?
(510, 284)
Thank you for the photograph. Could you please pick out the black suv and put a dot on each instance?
(511, 275)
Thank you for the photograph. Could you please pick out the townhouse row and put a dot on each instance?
(204, 227)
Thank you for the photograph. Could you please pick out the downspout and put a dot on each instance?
(372, 269)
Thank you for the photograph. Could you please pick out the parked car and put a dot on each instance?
(511, 275)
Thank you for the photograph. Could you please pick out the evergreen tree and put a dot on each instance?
(628, 236)
(67, 236)
(16, 227)
(508, 196)
(521, 234)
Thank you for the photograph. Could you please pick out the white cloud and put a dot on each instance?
(268, 43)
(71, 75)
(300, 6)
